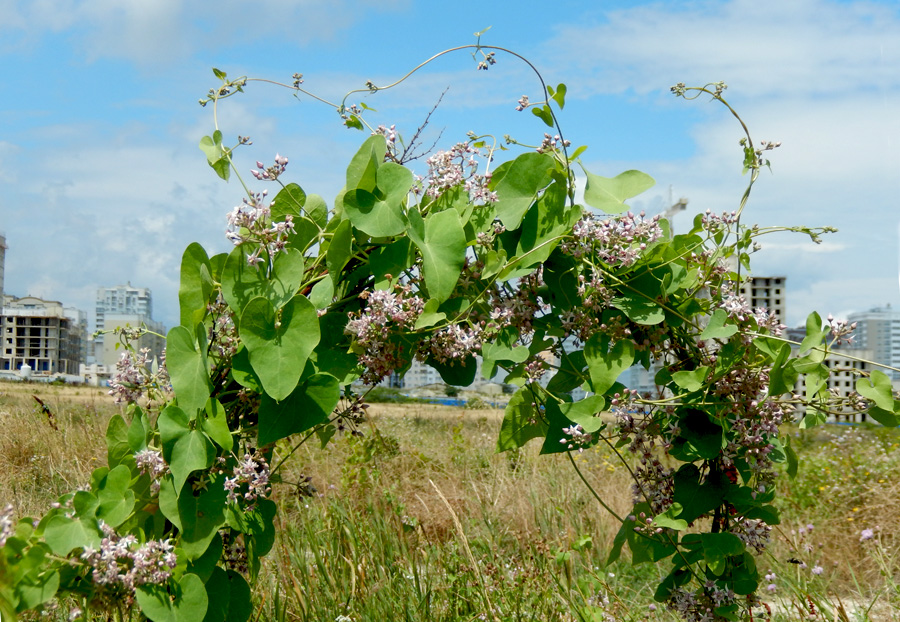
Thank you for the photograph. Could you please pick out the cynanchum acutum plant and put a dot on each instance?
(470, 260)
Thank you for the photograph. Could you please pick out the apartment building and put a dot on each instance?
(766, 291)
(845, 366)
(2, 264)
(49, 338)
(107, 354)
(878, 330)
(118, 307)
(122, 299)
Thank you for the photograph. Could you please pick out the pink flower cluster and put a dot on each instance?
(552, 143)
(385, 311)
(234, 554)
(455, 167)
(150, 462)
(252, 471)
(841, 331)
(223, 336)
(121, 561)
(616, 241)
(518, 307)
(249, 222)
(131, 378)
(717, 222)
(578, 438)
(270, 173)
(700, 606)
(453, 343)
(653, 482)
(753, 533)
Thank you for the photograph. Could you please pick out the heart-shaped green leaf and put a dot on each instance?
(311, 403)
(218, 593)
(242, 371)
(363, 169)
(241, 282)
(639, 309)
(605, 366)
(116, 499)
(877, 388)
(192, 452)
(173, 423)
(214, 422)
(381, 215)
(205, 565)
(544, 223)
(198, 514)
(289, 200)
(64, 534)
(196, 285)
(442, 241)
(322, 294)
(667, 519)
(184, 449)
(185, 601)
(519, 186)
(310, 224)
(36, 589)
(139, 430)
(521, 422)
(609, 194)
(117, 448)
(717, 328)
(691, 380)
(391, 259)
(188, 368)
(279, 347)
(216, 155)
(240, 603)
(339, 250)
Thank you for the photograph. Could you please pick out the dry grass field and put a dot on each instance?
(421, 517)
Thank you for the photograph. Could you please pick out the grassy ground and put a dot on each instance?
(420, 519)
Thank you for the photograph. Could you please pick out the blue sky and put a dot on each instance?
(102, 181)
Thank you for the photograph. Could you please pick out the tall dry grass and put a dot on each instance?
(420, 519)
(45, 455)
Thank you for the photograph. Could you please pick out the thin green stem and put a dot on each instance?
(591, 489)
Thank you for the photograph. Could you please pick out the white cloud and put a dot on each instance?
(841, 297)
(158, 32)
(819, 76)
(764, 48)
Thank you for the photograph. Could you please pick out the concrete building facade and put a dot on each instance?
(108, 354)
(768, 292)
(118, 307)
(122, 299)
(42, 334)
(2, 264)
(878, 330)
(845, 366)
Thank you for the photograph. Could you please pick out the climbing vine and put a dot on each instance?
(477, 266)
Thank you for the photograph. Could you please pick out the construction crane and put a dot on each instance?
(668, 214)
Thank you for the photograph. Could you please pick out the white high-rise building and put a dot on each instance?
(878, 330)
(122, 300)
(768, 292)
(122, 306)
(2, 264)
